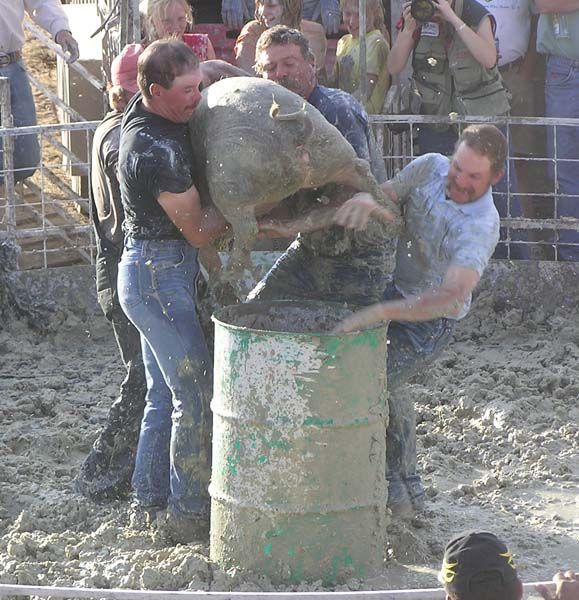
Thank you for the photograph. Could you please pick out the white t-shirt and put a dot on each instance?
(513, 19)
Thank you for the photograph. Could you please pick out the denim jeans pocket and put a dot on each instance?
(558, 75)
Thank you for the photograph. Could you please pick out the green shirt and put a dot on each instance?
(566, 43)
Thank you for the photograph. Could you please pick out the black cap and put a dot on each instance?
(473, 557)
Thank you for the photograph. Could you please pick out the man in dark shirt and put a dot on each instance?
(107, 470)
(164, 226)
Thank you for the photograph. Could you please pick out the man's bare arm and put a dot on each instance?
(445, 301)
(199, 225)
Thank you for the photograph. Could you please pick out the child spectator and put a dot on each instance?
(173, 18)
(279, 12)
(347, 69)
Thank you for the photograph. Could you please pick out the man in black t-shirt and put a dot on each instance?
(164, 225)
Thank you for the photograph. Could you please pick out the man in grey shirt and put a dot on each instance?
(451, 228)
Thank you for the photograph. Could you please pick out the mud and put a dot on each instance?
(288, 317)
(498, 443)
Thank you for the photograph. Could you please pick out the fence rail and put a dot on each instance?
(119, 594)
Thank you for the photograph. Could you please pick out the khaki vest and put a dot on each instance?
(452, 80)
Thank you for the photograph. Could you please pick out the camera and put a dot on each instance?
(422, 10)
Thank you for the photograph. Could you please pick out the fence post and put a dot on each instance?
(8, 157)
(363, 62)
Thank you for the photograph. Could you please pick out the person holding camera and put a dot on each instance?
(454, 61)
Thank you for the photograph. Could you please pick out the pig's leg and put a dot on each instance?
(245, 230)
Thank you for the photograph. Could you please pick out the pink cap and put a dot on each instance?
(124, 68)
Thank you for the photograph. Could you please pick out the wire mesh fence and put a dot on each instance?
(48, 214)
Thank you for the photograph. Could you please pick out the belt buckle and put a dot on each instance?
(5, 59)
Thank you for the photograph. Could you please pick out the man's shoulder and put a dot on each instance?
(334, 102)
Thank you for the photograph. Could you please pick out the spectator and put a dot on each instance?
(173, 18)
(164, 226)
(107, 470)
(269, 13)
(347, 69)
(558, 39)
(454, 66)
(520, 69)
(236, 12)
(50, 15)
(326, 12)
(478, 566)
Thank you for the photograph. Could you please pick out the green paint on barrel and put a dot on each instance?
(297, 487)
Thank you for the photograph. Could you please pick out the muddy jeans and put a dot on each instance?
(107, 470)
(157, 292)
(413, 346)
(299, 274)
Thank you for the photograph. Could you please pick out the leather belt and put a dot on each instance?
(512, 65)
(9, 58)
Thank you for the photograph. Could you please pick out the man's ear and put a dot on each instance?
(496, 177)
(155, 90)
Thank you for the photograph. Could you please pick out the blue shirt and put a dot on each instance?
(439, 233)
(348, 116)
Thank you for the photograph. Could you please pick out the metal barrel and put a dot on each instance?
(298, 489)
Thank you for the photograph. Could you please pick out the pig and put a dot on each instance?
(260, 143)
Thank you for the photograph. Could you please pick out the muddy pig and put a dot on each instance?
(261, 143)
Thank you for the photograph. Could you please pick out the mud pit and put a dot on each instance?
(498, 448)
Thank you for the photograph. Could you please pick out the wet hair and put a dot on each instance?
(291, 12)
(488, 586)
(487, 140)
(162, 62)
(282, 35)
(156, 8)
(374, 13)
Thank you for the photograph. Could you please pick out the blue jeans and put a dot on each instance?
(562, 100)
(412, 347)
(157, 292)
(26, 147)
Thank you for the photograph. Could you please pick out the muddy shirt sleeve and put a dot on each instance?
(414, 174)
(166, 168)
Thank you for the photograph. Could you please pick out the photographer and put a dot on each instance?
(454, 62)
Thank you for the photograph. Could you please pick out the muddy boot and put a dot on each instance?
(416, 492)
(143, 517)
(399, 500)
(182, 529)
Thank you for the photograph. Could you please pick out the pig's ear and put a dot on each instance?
(303, 154)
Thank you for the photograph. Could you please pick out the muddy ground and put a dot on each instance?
(498, 448)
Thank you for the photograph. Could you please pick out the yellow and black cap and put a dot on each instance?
(473, 558)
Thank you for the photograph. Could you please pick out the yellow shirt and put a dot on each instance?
(347, 70)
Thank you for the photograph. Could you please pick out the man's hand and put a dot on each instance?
(271, 228)
(361, 319)
(355, 212)
(68, 44)
(567, 587)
